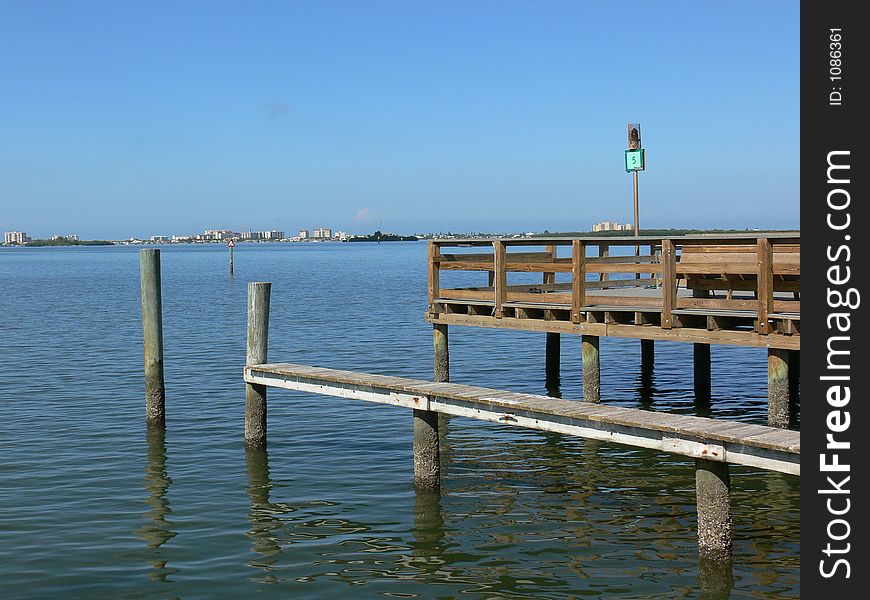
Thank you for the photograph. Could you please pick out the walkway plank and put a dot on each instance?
(697, 437)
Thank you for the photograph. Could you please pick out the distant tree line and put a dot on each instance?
(69, 242)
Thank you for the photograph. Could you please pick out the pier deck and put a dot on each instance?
(724, 289)
(695, 437)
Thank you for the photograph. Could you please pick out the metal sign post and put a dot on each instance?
(635, 160)
(231, 243)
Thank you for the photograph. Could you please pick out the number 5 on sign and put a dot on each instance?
(634, 160)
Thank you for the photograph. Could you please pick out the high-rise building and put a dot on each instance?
(322, 233)
(304, 234)
(15, 237)
(217, 234)
(611, 226)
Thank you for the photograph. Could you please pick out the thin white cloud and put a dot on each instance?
(363, 215)
(273, 109)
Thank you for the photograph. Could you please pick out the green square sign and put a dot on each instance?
(634, 160)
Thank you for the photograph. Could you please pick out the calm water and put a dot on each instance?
(91, 505)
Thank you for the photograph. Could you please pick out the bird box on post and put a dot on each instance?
(634, 136)
(634, 156)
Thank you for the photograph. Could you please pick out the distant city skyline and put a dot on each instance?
(140, 119)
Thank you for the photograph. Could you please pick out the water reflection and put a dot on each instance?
(552, 377)
(445, 451)
(262, 514)
(715, 578)
(157, 529)
(553, 384)
(646, 385)
(428, 532)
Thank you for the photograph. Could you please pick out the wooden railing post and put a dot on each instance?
(578, 280)
(765, 284)
(548, 276)
(603, 250)
(500, 255)
(434, 277)
(669, 283)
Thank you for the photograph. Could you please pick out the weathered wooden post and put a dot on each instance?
(778, 388)
(427, 452)
(259, 296)
(152, 334)
(713, 493)
(442, 353)
(702, 366)
(647, 364)
(647, 355)
(669, 283)
(553, 352)
(702, 363)
(591, 369)
(553, 347)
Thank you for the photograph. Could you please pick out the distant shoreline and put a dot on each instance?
(66, 242)
(664, 233)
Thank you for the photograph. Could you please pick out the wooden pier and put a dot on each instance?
(647, 308)
(712, 443)
(731, 442)
(739, 290)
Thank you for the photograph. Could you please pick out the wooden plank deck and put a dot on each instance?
(696, 437)
(688, 294)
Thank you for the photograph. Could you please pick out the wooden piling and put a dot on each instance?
(259, 295)
(152, 334)
(591, 369)
(427, 453)
(702, 366)
(778, 388)
(442, 353)
(713, 492)
(553, 355)
(647, 355)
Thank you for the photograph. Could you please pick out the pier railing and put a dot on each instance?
(705, 282)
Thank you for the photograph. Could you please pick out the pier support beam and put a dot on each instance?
(647, 355)
(553, 358)
(427, 452)
(703, 378)
(442, 353)
(259, 295)
(591, 369)
(152, 334)
(779, 388)
(713, 492)
(647, 364)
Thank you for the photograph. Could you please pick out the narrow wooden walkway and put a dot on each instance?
(696, 437)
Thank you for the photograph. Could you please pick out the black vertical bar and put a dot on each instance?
(833, 188)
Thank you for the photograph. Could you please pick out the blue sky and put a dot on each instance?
(125, 118)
